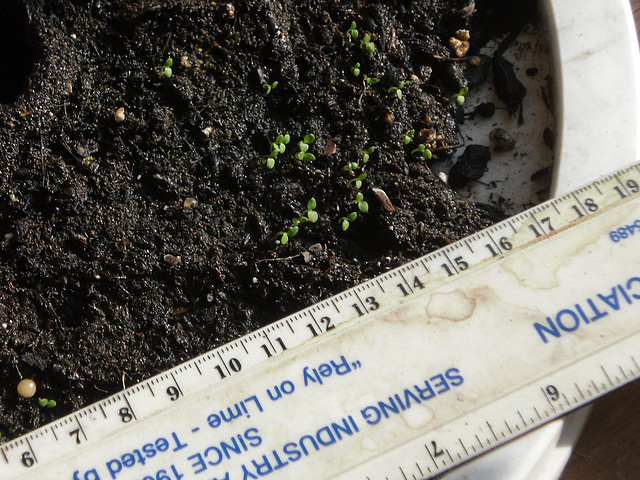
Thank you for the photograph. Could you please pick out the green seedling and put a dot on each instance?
(424, 151)
(44, 402)
(360, 202)
(366, 153)
(345, 222)
(167, 71)
(356, 70)
(277, 147)
(357, 182)
(398, 90)
(460, 96)
(283, 237)
(308, 215)
(269, 86)
(303, 147)
(407, 137)
(353, 31)
(280, 143)
(371, 80)
(367, 44)
(351, 166)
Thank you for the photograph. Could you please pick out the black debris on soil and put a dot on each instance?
(471, 165)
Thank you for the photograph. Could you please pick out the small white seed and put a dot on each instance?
(26, 388)
(190, 202)
(119, 115)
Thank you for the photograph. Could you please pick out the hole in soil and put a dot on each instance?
(19, 51)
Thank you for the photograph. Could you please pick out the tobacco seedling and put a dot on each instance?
(346, 221)
(47, 403)
(363, 206)
(269, 86)
(357, 182)
(406, 137)
(167, 71)
(367, 44)
(371, 80)
(366, 153)
(303, 147)
(356, 70)
(351, 166)
(308, 215)
(424, 151)
(398, 90)
(460, 96)
(353, 31)
(277, 147)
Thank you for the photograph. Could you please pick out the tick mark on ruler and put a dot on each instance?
(606, 375)
(522, 418)
(492, 432)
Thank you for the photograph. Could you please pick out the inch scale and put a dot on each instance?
(402, 377)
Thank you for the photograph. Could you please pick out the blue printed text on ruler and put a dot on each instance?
(210, 463)
(593, 308)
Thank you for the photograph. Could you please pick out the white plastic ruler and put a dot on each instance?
(402, 377)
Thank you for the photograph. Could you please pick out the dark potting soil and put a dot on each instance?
(139, 221)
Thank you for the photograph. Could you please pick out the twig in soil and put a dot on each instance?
(166, 44)
(280, 259)
(42, 157)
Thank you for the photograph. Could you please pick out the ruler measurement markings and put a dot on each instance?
(494, 251)
(449, 455)
(596, 185)
(580, 391)
(177, 385)
(35, 458)
(318, 329)
(408, 291)
(522, 418)
(288, 323)
(433, 443)
(537, 413)
(402, 472)
(606, 375)
(469, 246)
(131, 411)
(581, 210)
(80, 427)
(633, 359)
(491, 430)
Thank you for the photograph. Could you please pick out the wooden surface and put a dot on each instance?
(609, 447)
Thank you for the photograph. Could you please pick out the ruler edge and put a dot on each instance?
(262, 331)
